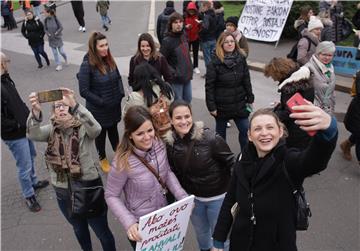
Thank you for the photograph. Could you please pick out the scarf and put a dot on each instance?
(327, 69)
(64, 158)
(230, 60)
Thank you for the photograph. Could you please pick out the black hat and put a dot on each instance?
(233, 20)
(170, 4)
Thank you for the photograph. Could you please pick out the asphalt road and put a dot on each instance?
(333, 195)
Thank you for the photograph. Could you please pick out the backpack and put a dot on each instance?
(294, 50)
(160, 115)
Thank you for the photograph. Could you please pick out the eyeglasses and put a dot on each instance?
(229, 41)
(58, 106)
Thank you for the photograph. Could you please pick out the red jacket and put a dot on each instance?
(193, 31)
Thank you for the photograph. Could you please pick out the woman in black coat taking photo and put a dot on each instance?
(228, 88)
(266, 219)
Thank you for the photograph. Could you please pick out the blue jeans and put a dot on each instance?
(105, 19)
(24, 153)
(56, 51)
(81, 225)
(39, 50)
(183, 91)
(242, 125)
(37, 11)
(204, 218)
(208, 48)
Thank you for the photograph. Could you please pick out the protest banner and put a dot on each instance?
(264, 20)
(165, 229)
(344, 60)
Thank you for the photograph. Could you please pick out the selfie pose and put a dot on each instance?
(266, 217)
(70, 136)
(101, 86)
(141, 172)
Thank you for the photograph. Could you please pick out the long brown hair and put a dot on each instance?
(220, 53)
(134, 118)
(148, 38)
(94, 58)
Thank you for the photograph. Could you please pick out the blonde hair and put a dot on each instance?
(219, 51)
(270, 112)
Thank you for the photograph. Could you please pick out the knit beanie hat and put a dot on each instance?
(314, 23)
(325, 47)
(170, 4)
(233, 20)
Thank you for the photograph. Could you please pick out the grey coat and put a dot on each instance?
(53, 29)
(324, 87)
(304, 54)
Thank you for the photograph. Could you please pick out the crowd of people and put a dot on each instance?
(161, 149)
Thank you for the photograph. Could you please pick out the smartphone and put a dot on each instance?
(295, 100)
(50, 96)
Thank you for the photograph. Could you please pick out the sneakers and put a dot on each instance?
(83, 29)
(345, 147)
(40, 66)
(80, 28)
(228, 124)
(41, 184)
(58, 68)
(32, 204)
(196, 70)
(105, 27)
(105, 165)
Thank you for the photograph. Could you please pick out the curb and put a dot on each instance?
(339, 86)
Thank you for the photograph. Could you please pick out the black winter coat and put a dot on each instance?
(296, 82)
(14, 112)
(207, 171)
(352, 117)
(162, 23)
(175, 49)
(208, 26)
(228, 88)
(33, 31)
(261, 183)
(103, 93)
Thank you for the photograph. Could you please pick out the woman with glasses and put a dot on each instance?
(228, 88)
(70, 136)
(101, 86)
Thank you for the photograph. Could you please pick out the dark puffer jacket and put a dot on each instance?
(103, 93)
(208, 26)
(175, 49)
(352, 117)
(33, 31)
(260, 184)
(14, 112)
(162, 22)
(228, 88)
(207, 171)
(296, 82)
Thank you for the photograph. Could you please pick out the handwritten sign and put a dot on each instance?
(165, 228)
(344, 60)
(264, 20)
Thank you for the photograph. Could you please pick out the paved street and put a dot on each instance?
(333, 195)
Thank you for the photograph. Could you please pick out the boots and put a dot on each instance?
(105, 165)
(345, 147)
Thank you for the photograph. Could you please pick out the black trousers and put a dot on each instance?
(195, 49)
(78, 9)
(100, 141)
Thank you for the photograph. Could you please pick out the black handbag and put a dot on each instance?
(87, 198)
(303, 211)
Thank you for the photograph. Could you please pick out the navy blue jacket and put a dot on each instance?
(103, 93)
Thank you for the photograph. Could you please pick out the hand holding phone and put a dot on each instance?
(50, 96)
(297, 100)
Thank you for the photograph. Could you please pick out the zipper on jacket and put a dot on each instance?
(252, 217)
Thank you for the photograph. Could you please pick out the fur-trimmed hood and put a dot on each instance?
(196, 132)
(302, 74)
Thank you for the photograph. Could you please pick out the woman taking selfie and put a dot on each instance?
(202, 161)
(70, 136)
(140, 170)
(101, 86)
(228, 88)
(266, 219)
(146, 52)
